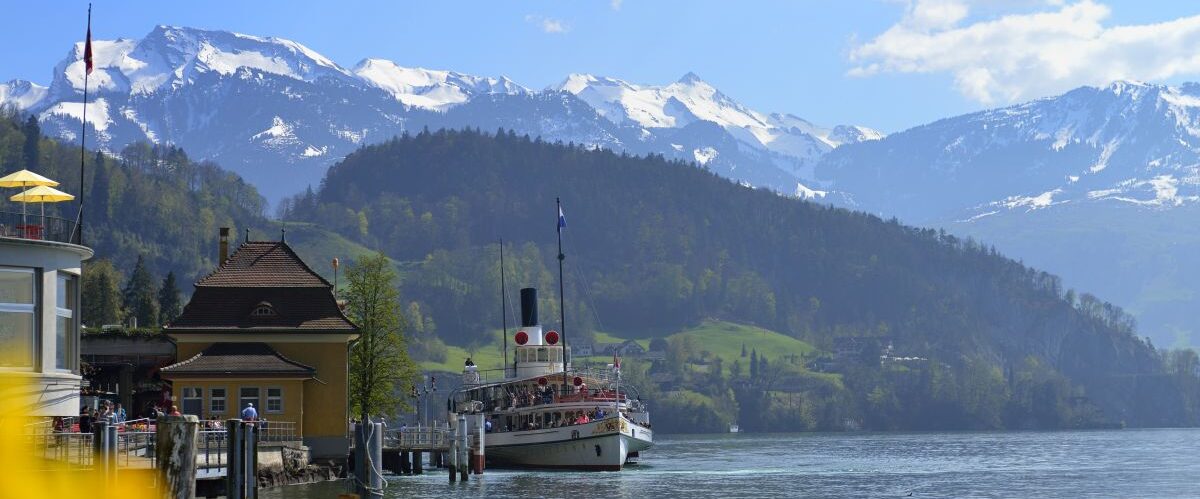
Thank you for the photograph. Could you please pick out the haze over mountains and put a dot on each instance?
(279, 113)
(1099, 185)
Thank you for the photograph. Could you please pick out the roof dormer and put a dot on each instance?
(264, 309)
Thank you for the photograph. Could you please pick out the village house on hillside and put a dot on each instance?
(265, 329)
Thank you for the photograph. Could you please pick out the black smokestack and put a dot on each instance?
(529, 315)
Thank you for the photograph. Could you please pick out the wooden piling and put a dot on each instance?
(235, 481)
(175, 452)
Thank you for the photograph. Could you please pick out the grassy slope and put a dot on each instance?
(723, 339)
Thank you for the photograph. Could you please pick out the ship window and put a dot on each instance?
(541, 353)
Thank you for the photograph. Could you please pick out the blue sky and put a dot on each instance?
(887, 64)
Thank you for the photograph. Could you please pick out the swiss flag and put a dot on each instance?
(87, 45)
(87, 50)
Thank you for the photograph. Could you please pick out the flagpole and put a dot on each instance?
(562, 315)
(503, 308)
(87, 45)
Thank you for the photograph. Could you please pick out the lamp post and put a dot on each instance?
(428, 386)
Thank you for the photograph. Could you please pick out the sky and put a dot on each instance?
(885, 64)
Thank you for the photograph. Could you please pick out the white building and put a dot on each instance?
(40, 322)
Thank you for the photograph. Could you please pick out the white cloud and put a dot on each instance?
(616, 4)
(1056, 47)
(547, 24)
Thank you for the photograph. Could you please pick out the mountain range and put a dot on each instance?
(279, 113)
(1099, 185)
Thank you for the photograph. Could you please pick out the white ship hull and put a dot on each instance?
(603, 445)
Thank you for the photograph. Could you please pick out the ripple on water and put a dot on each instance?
(1046, 465)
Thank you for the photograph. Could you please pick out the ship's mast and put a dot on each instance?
(562, 317)
(504, 310)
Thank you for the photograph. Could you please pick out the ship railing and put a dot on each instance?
(472, 377)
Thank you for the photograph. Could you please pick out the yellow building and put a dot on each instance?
(264, 329)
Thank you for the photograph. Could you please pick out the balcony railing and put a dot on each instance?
(35, 227)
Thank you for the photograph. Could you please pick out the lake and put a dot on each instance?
(1068, 464)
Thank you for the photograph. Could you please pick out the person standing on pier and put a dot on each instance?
(249, 413)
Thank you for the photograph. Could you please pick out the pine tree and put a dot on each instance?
(140, 297)
(33, 135)
(101, 294)
(754, 364)
(169, 303)
(743, 350)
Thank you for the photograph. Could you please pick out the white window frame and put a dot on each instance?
(71, 282)
(267, 403)
(197, 394)
(32, 310)
(224, 398)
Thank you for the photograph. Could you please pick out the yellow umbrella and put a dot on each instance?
(42, 194)
(24, 179)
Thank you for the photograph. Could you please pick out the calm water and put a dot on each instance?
(1119, 463)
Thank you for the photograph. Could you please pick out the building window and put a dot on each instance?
(18, 294)
(193, 400)
(216, 400)
(274, 399)
(249, 395)
(263, 309)
(66, 331)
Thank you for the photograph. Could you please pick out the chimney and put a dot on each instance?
(223, 247)
(529, 307)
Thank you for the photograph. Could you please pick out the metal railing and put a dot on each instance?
(135, 445)
(427, 437)
(73, 450)
(35, 227)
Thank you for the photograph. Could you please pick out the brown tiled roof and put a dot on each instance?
(229, 309)
(263, 264)
(262, 273)
(238, 359)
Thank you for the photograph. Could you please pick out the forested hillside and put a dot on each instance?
(656, 246)
(153, 202)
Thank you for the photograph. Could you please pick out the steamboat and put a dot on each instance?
(539, 412)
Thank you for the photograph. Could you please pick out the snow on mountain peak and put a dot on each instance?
(692, 99)
(173, 54)
(22, 94)
(430, 89)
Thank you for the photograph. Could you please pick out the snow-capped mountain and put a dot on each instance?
(279, 113)
(1098, 185)
(691, 99)
(1132, 143)
(431, 89)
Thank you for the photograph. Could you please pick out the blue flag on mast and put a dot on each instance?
(562, 219)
